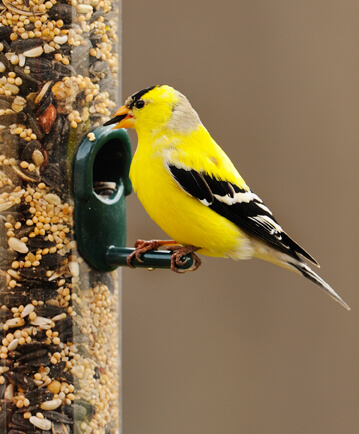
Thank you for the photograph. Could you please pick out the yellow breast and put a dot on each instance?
(182, 217)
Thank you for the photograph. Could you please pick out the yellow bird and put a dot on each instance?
(191, 189)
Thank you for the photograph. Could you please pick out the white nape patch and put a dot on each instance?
(268, 222)
(184, 118)
(239, 197)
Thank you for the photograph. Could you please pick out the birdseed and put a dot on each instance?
(59, 352)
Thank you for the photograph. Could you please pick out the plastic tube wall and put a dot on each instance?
(59, 320)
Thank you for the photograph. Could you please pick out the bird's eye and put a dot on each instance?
(139, 104)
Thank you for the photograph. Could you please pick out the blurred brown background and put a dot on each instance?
(246, 347)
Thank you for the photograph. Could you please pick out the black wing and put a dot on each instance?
(240, 206)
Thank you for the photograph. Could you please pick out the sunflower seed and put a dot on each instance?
(64, 12)
(13, 344)
(24, 45)
(38, 157)
(37, 396)
(34, 52)
(43, 424)
(5, 32)
(17, 245)
(52, 198)
(51, 405)
(84, 9)
(31, 355)
(9, 392)
(59, 317)
(15, 322)
(42, 322)
(2, 391)
(20, 423)
(57, 417)
(61, 39)
(6, 205)
(60, 428)
(22, 59)
(27, 310)
(26, 175)
(74, 269)
(5, 315)
(20, 379)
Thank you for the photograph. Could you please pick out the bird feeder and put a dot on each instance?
(63, 182)
(60, 354)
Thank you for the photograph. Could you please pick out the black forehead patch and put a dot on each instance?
(136, 96)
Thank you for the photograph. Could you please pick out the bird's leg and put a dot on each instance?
(177, 257)
(142, 246)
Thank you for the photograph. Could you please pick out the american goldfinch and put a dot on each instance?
(191, 189)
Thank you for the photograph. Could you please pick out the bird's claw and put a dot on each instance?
(178, 257)
(141, 247)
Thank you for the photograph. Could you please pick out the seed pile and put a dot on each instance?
(59, 367)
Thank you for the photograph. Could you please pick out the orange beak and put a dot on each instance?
(122, 117)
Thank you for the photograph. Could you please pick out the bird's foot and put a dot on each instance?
(178, 257)
(178, 253)
(142, 246)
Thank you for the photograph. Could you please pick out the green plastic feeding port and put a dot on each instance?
(101, 183)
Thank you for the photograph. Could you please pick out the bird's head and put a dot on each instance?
(156, 108)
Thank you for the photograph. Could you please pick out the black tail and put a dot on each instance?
(309, 274)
